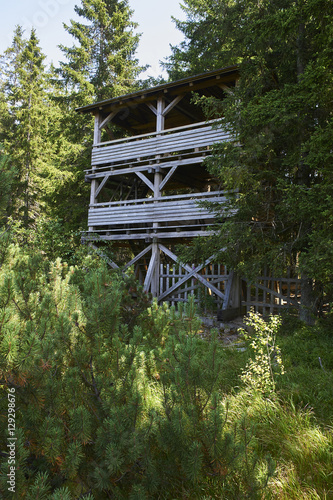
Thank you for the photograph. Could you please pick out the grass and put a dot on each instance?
(293, 425)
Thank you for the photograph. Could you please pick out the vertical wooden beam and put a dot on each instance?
(227, 292)
(97, 129)
(94, 182)
(235, 292)
(157, 193)
(160, 120)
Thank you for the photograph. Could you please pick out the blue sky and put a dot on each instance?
(47, 16)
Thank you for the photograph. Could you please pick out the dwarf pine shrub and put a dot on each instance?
(107, 407)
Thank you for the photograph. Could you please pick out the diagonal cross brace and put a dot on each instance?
(102, 184)
(191, 272)
(137, 257)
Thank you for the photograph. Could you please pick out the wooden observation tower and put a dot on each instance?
(145, 188)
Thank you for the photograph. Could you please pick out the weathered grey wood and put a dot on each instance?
(145, 180)
(115, 170)
(276, 294)
(163, 212)
(172, 104)
(217, 278)
(177, 229)
(226, 88)
(158, 145)
(97, 130)
(191, 272)
(161, 279)
(168, 176)
(155, 276)
(159, 115)
(205, 196)
(145, 236)
(109, 261)
(94, 183)
(153, 134)
(137, 257)
(152, 107)
(159, 209)
(226, 302)
(168, 279)
(150, 272)
(107, 120)
(102, 184)
(181, 141)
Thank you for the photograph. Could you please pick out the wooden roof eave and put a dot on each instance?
(185, 85)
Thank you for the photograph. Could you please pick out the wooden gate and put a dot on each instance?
(269, 295)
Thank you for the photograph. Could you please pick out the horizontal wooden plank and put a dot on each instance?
(145, 236)
(218, 277)
(163, 209)
(146, 166)
(157, 205)
(145, 219)
(204, 196)
(160, 132)
(138, 211)
(174, 227)
(142, 149)
(181, 141)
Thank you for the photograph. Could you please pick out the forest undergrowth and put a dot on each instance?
(118, 397)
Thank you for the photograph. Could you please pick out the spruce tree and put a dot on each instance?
(101, 64)
(29, 129)
(281, 115)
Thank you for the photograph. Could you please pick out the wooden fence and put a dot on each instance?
(215, 274)
(268, 295)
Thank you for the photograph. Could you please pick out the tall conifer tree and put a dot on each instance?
(281, 114)
(24, 124)
(29, 130)
(101, 64)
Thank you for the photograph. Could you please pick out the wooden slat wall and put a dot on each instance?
(132, 148)
(149, 210)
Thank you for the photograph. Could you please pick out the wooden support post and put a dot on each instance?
(235, 293)
(155, 278)
(159, 114)
(94, 182)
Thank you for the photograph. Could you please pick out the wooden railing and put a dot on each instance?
(149, 210)
(180, 139)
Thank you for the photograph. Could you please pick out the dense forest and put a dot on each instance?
(106, 394)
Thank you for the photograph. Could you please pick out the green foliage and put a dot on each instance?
(281, 115)
(107, 405)
(101, 64)
(118, 397)
(259, 373)
(29, 129)
(7, 176)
